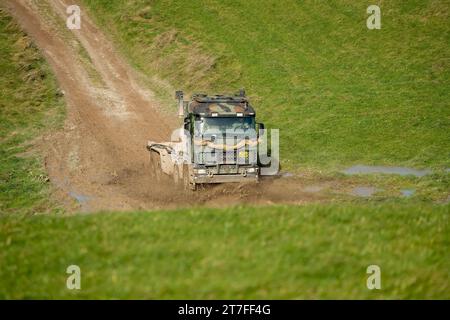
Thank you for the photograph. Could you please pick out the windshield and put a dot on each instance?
(222, 124)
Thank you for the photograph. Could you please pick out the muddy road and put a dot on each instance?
(99, 157)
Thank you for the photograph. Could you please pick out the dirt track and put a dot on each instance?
(99, 158)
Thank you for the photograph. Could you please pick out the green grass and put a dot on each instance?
(29, 107)
(306, 65)
(272, 252)
(340, 93)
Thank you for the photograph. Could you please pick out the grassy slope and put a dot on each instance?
(29, 106)
(340, 93)
(277, 252)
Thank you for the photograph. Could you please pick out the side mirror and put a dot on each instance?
(187, 124)
(260, 129)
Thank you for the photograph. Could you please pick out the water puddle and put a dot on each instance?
(363, 191)
(81, 198)
(403, 171)
(406, 193)
(286, 174)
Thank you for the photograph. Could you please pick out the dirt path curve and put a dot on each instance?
(99, 158)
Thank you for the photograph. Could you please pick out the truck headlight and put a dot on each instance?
(201, 171)
(251, 170)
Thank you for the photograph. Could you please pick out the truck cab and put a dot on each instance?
(218, 143)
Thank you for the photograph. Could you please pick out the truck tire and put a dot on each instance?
(186, 178)
(188, 181)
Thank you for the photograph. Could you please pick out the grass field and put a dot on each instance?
(340, 93)
(272, 252)
(29, 107)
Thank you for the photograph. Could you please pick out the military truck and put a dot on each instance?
(218, 142)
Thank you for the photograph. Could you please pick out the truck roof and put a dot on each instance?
(220, 105)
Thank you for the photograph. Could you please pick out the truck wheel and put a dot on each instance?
(187, 183)
(186, 177)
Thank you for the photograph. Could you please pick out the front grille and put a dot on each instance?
(229, 157)
(241, 157)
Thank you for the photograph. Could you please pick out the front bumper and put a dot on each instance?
(224, 178)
